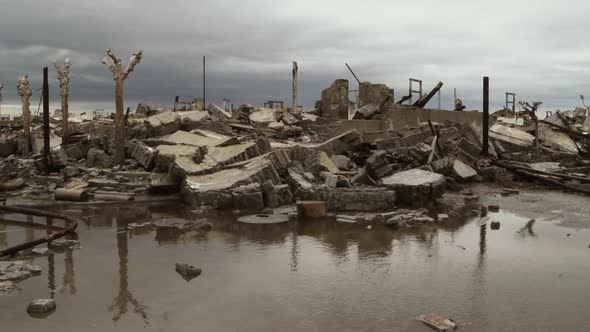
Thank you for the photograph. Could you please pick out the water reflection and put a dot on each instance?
(125, 296)
(528, 229)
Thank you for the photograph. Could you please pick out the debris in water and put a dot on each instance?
(187, 271)
(264, 219)
(437, 322)
(495, 225)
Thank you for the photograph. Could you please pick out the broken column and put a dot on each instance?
(334, 103)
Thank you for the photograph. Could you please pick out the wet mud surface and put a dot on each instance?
(314, 275)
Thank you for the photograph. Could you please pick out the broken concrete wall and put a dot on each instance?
(334, 102)
(405, 116)
(373, 93)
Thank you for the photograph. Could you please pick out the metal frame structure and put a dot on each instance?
(411, 89)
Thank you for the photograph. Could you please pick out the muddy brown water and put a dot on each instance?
(315, 275)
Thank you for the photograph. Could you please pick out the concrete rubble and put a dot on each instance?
(251, 158)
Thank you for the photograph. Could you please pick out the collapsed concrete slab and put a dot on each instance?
(142, 153)
(557, 140)
(162, 124)
(212, 189)
(184, 138)
(416, 185)
(513, 136)
(191, 120)
(264, 116)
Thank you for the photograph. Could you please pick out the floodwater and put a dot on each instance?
(315, 275)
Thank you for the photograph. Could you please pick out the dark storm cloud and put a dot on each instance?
(536, 49)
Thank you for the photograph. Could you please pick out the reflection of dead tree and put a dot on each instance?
(119, 75)
(68, 278)
(531, 110)
(528, 227)
(125, 296)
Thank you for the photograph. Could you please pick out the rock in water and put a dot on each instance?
(437, 322)
(187, 271)
(41, 306)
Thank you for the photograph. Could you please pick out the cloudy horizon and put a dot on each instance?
(534, 49)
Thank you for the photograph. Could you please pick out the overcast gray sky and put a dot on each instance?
(538, 49)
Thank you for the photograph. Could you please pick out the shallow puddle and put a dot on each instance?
(306, 276)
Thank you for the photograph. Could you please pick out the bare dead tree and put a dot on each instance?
(63, 76)
(531, 110)
(115, 65)
(24, 91)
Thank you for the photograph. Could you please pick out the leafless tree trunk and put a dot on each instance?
(64, 82)
(119, 75)
(24, 91)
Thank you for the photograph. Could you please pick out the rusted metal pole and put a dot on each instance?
(486, 115)
(46, 148)
(294, 108)
(356, 78)
(204, 104)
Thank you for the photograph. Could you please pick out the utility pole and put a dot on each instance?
(486, 115)
(294, 108)
(46, 152)
(204, 104)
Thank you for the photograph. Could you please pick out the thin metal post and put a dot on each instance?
(356, 78)
(175, 103)
(204, 104)
(294, 106)
(486, 115)
(46, 151)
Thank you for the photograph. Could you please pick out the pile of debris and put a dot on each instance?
(255, 158)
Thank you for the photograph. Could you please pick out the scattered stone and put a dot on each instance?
(182, 225)
(7, 288)
(264, 219)
(471, 198)
(341, 162)
(187, 271)
(140, 226)
(508, 192)
(41, 306)
(62, 244)
(442, 217)
(494, 208)
(495, 225)
(463, 171)
(40, 251)
(71, 171)
(438, 323)
(312, 209)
